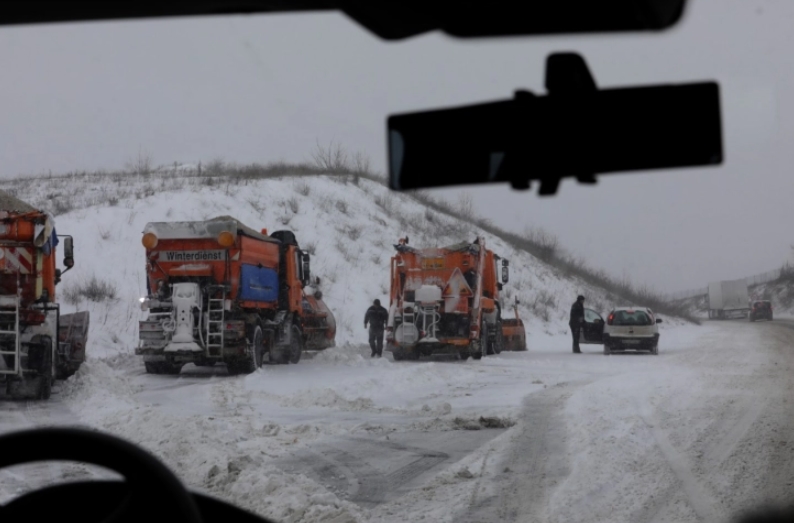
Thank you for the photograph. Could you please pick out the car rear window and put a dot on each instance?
(761, 304)
(631, 318)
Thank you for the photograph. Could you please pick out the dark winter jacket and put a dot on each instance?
(376, 317)
(577, 313)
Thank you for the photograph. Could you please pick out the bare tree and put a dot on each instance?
(141, 164)
(333, 158)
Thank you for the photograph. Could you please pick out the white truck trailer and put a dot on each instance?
(728, 299)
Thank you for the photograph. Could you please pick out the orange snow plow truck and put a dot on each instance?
(221, 292)
(446, 301)
(37, 343)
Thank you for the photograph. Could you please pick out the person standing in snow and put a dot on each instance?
(376, 317)
(576, 321)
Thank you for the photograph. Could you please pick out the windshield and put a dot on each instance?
(631, 318)
(250, 303)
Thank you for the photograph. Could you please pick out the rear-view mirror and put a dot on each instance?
(658, 320)
(505, 271)
(306, 267)
(577, 130)
(68, 252)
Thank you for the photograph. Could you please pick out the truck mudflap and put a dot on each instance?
(72, 339)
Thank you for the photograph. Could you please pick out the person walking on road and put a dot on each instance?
(376, 317)
(576, 321)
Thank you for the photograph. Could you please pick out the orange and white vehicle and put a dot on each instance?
(221, 292)
(446, 301)
(37, 343)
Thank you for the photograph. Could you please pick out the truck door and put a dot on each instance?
(593, 329)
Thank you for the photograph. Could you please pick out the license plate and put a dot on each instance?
(631, 342)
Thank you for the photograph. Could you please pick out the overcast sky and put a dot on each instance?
(264, 88)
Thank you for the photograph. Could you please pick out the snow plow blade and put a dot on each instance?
(72, 338)
(514, 335)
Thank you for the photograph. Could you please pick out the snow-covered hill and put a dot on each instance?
(348, 224)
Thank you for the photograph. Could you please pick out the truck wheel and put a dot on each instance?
(475, 350)
(44, 389)
(296, 345)
(171, 368)
(485, 345)
(250, 362)
(464, 355)
(499, 340)
(162, 367)
(398, 355)
(258, 340)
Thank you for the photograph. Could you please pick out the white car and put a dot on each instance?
(631, 328)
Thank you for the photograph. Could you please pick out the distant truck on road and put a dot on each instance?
(728, 299)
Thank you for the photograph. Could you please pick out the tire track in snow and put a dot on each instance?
(699, 497)
(712, 459)
(349, 474)
(538, 461)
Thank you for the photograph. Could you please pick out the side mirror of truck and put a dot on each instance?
(68, 252)
(306, 267)
(505, 271)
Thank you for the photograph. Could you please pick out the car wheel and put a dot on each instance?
(655, 350)
(607, 349)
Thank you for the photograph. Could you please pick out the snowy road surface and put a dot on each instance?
(697, 433)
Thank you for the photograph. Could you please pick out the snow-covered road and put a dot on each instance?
(695, 434)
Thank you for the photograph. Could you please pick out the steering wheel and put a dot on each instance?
(150, 491)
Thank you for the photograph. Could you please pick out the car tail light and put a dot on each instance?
(610, 318)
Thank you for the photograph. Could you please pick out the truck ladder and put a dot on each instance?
(9, 329)
(215, 322)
